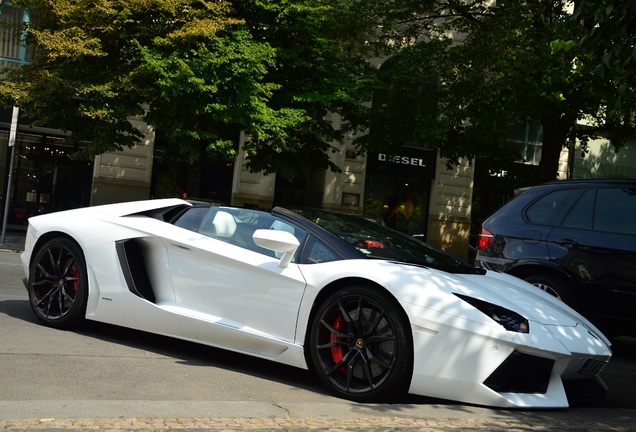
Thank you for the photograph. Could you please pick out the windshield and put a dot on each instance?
(377, 241)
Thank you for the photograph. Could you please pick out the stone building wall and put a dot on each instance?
(450, 208)
(125, 175)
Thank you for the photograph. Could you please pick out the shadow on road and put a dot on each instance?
(194, 354)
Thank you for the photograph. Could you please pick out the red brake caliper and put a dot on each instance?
(336, 351)
(76, 277)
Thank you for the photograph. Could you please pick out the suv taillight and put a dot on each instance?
(486, 238)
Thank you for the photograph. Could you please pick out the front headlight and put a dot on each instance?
(510, 320)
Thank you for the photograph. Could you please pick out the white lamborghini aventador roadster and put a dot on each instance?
(375, 313)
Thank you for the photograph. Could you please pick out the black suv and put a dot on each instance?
(575, 239)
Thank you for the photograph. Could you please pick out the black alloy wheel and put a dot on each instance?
(552, 286)
(58, 284)
(361, 345)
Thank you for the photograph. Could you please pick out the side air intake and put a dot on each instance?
(130, 254)
(521, 373)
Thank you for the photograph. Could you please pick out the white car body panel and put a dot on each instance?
(468, 346)
(219, 294)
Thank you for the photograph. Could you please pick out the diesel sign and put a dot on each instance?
(410, 162)
(401, 160)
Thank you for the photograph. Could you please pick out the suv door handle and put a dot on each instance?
(567, 243)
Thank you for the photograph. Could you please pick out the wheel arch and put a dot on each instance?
(533, 268)
(565, 285)
(336, 285)
(45, 238)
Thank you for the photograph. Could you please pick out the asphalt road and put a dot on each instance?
(105, 371)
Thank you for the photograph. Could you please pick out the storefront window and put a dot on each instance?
(45, 178)
(401, 203)
(398, 188)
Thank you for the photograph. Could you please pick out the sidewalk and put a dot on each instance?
(377, 424)
(13, 241)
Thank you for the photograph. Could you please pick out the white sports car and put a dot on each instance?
(375, 313)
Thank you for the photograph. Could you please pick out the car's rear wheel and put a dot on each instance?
(58, 284)
(361, 345)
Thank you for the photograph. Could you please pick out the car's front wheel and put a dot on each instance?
(361, 345)
(58, 284)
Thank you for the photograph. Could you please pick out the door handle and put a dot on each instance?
(567, 243)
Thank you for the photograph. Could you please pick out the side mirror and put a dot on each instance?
(278, 241)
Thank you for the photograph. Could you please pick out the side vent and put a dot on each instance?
(131, 260)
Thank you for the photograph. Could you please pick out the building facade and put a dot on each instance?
(45, 177)
(412, 191)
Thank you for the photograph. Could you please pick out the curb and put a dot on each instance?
(14, 243)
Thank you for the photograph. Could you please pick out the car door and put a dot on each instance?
(222, 277)
(596, 243)
(529, 241)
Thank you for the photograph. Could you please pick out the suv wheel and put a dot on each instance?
(551, 285)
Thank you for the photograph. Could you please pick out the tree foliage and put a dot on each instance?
(461, 75)
(199, 71)
(611, 41)
(500, 66)
(321, 67)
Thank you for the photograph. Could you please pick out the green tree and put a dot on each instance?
(611, 43)
(321, 67)
(497, 67)
(198, 71)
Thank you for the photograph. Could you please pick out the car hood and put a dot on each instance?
(419, 285)
(526, 299)
(437, 290)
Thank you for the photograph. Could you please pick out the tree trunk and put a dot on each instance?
(556, 130)
(194, 179)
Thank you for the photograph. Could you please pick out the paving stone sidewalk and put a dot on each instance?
(13, 241)
(380, 424)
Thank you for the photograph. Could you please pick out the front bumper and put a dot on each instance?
(510, 370)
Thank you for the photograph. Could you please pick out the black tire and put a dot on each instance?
(58, 284)
(552, 285)
(361, 345)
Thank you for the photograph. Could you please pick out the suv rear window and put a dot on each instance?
(548, 209)
(610, 210)
(580, 217)
(616, 211)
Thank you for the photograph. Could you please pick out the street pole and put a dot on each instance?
(12, 134)
(14, 125)
(14, 128)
